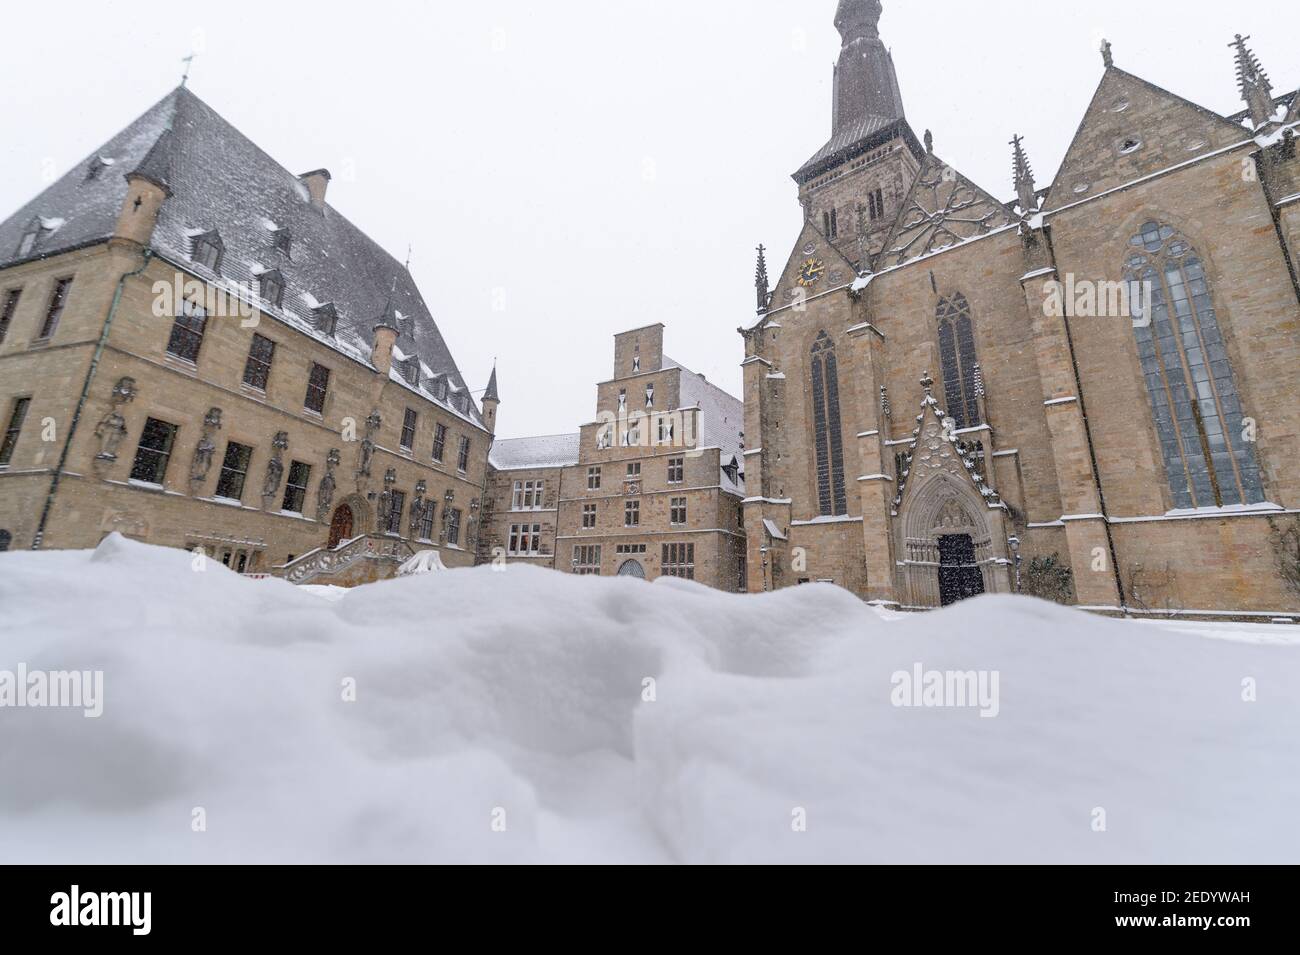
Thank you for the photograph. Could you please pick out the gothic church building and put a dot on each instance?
(1089, 389)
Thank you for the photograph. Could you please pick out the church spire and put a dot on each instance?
(1253, 82)
(866, 84)
(761, 283)
(1024, 177)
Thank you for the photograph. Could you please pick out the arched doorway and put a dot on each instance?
(632, 568)
(341, 526)
(959, 572)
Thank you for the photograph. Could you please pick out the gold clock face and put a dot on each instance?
(811, 271)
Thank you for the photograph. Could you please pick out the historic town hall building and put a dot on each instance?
(947, 393)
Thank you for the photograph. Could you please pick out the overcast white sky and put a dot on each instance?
(594, 165)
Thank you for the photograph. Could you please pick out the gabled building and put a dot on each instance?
(198, 350)
(1085, 392)
(651, 487)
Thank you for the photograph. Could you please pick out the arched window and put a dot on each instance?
(1193, 392)
(826, 424)
(957, 353)
(5, 540)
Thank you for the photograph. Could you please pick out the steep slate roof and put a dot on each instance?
(548, 451)
(219, 179)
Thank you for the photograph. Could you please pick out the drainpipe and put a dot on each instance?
(81, 401)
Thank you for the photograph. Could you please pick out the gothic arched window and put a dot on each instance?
(1193, 392)
(826, 423)
(957, 353)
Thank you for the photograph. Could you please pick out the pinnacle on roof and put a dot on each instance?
(1024, 176)
(761, 282)
(491, 393)
(1253, 82)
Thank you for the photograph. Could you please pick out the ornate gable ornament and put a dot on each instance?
(935, 447)
(942, 209)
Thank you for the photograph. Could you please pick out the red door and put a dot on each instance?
(340, 526)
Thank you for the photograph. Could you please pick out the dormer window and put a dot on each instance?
(283, 241)
(270, 285)
(409, 369)
(28, 242)
(208, 250)
(440, 389)
(326, 317)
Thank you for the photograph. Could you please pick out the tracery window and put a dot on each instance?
(957, 354)
(1193, 392)
(826, 424)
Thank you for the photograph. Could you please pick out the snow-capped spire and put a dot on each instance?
(1024, 176)
(866, 83)
(1253, 82)
(761, 283)
(491, 393)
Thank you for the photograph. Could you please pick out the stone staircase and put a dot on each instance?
(358, 561)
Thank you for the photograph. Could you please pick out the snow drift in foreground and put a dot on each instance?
(516, 698)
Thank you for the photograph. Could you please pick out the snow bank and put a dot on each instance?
(486, 698)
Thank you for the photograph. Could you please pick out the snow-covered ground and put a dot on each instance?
(506, 716)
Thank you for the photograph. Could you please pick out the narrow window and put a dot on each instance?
(5, 540)
(7, 311)
(439, 442)
(295, 490)
(957, 354)
(632, 514)
(517, 500)
(633, 470)
(588, 517)
(593, 479)
(828, 435)
(15, 426)
(187, 332)
(453, 526)
(395, 513)
(1193, 391)
(676, 470)
(257, 369)
(318, 383)
(408, 429)
(426, 520)
(154, 451)
(234, 471)
(678, 511)
(462, 458)
(58, 299)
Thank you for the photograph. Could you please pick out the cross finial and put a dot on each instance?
(189, 62)
(928, 384)
(409, 248)
(1107, 55)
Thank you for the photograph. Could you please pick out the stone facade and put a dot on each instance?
(1040, 433)
(125, 350)
(653, 486)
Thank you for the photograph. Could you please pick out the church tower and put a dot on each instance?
(852, 188)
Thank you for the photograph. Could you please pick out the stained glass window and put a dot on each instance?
(826, 423)
(957, 353)
(1193, 392)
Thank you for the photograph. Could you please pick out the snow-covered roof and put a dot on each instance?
(221, 181)
(548, 451)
